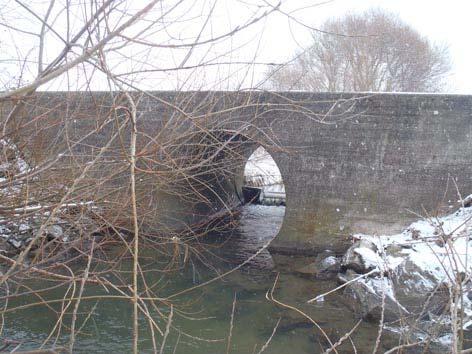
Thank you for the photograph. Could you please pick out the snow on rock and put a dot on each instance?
(440, 247)
(361, 257)
(419, 268)
(371, 259)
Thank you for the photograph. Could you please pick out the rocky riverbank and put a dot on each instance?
(25, 220)
(418, 282)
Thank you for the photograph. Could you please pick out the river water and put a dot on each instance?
(202, 317)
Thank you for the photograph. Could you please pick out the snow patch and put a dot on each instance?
(439, 246)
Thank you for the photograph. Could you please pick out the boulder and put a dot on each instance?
(323, 266)
(354, 257)
(409, 289)
(437, 302)
(467, 201)
(330, 264)
(53, 232)
(413, 285)
(348, 275)
(15, 243)
(365, 298)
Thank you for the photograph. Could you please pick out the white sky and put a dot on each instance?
(274, 39)
(443, 21)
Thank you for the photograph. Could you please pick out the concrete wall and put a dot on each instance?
(350, 162)
(388, 157)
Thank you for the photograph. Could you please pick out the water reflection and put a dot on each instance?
(202, 317)
(256, 226)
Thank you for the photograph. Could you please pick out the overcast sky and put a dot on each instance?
(442, 21)
(274, 39)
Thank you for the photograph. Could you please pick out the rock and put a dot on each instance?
(467, 201)
(15, 243)
(366, 300)
(409, 289)
(415, 234)
(354, 260)
(3, 245)
(24, 228)
(321, 267)
(330, 264)
(347, 276)
(438, 302)
(413, 285)
(53, 232)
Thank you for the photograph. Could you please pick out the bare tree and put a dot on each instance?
(98, 168)
(371, 51)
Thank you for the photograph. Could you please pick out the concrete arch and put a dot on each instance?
(351, 162)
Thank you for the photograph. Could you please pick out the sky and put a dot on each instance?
(441, 21)
(274, 39)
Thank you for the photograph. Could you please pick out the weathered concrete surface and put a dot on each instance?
(350, 162)
(368, 173)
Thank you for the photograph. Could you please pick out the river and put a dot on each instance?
(202, 317)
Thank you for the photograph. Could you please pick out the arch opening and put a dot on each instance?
(257, 181)
(263, 183)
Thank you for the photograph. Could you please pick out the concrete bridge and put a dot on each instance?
(361, 162)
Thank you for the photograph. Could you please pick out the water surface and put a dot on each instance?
(202, 317)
